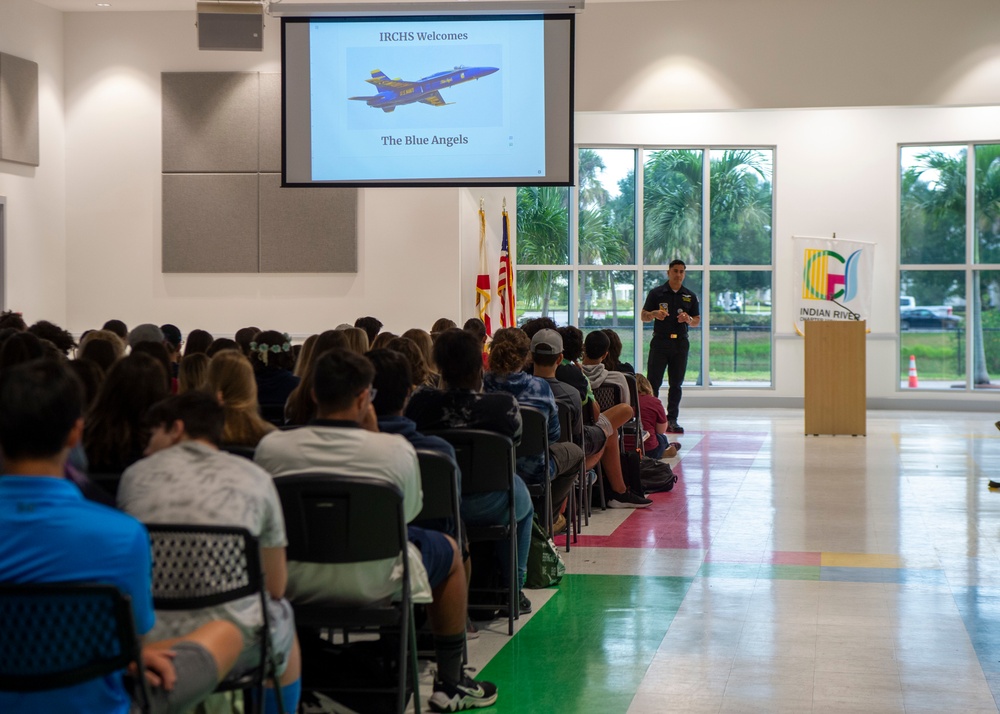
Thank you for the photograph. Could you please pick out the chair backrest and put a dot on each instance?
(201, 566)
(439, 481)
(107, 480)
(247, 452)
(485, 458)
(330, 518)
(62, 634)
(633, 426)
(567, 429)
(274, 413)
(534, 433)
(633, 390)
(608, 394)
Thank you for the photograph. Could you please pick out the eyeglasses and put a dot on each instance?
(371, 394)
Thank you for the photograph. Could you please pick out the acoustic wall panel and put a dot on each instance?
(307, 230)
(270, 123)
(210, 122)
(18, 110)
(210, 223)
(224, 210)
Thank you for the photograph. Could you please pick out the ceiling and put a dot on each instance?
(189, 5)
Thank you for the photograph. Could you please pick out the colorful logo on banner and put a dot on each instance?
(836, 279)
(823, 281)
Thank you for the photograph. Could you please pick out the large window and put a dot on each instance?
(949, 254)
(633, 211)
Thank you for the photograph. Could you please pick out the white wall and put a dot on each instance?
(743, 54)
(36, 196)
(412, 243)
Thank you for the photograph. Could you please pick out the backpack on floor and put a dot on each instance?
(656, 476)
(631, 460)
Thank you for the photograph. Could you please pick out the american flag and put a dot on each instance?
(483, 279)
(505, 282)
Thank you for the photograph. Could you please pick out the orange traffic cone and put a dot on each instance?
(913, 372)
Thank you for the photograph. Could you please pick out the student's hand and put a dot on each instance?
(159, 666)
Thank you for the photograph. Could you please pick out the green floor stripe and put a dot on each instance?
(588, 649)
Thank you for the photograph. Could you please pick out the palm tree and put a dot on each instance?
(542, 239)
(672, 206)
(592, 191)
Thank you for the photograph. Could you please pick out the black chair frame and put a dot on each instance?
(337, 519)
(535, 442)
(570, 432)
(39, 620)
(487, 462)
(182, 555)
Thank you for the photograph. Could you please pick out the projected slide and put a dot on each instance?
(426, 99)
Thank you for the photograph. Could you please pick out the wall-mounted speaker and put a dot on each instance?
(230, 26)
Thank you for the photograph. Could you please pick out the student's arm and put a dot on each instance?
(275, 571)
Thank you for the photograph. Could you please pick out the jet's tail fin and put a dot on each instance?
(377, 77)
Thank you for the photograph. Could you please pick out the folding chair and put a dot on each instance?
(274, 413)
(535, 442)
(336, 519)
(486, 460)
(197, 566)
(439, 480)
(108, 481)
(632, 429)
(63, 634)
(608, 395)
(569, 432)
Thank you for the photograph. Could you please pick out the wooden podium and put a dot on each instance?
(835, 389)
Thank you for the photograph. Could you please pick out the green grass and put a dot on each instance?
(939, 355)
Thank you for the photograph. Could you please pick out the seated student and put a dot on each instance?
(478, 328)
(613, 360)
(113, 438)
(461, 405)
(654, 422)
(392, 383)
(609, 420)
(185, 479)
(344, 440)
(230, 379)
(49, 533)
(272, 359)
(508, 355)
(595, 350)
(546, 354)
(371, 326)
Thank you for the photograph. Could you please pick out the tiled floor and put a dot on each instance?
(784, 573)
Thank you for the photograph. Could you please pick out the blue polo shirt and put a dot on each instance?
(50, 533)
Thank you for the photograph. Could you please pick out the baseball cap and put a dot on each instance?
(547, 342)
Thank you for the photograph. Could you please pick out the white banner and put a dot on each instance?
(834, 280)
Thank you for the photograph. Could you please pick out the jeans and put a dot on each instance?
(662, 443)
(488, 509)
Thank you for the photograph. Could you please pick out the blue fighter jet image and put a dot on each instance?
(397, 92)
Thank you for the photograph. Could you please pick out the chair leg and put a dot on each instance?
(414, 667)
(570, 517)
